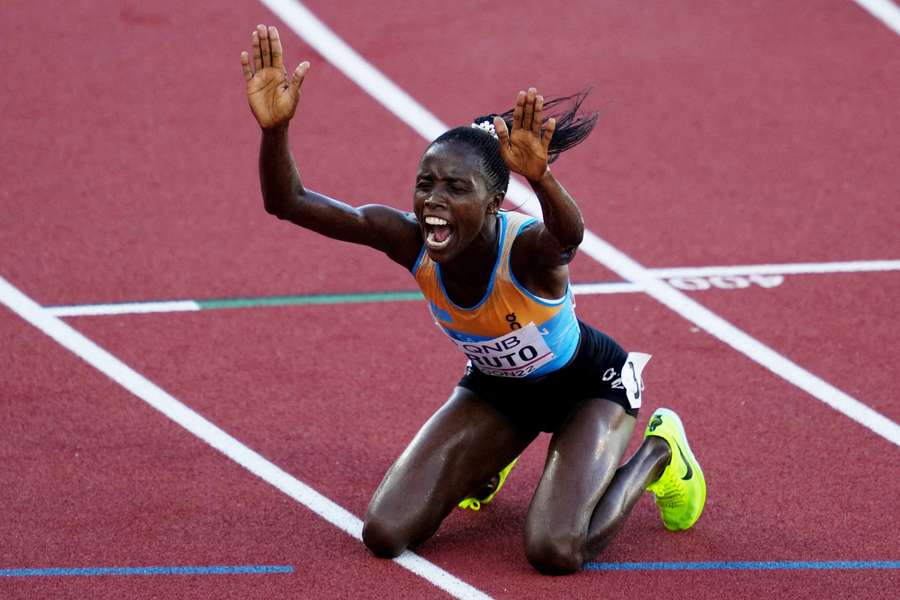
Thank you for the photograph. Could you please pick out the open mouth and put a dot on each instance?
(438, 233)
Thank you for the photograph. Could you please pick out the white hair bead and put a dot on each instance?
(488, 127)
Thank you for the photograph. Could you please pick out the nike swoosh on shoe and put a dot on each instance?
(690, 471)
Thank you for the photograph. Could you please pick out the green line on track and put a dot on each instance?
(310, 299)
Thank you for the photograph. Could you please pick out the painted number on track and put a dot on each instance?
(731, 282)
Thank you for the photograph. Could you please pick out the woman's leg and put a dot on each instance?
(582, 498)
(462, 445)
(627, 486)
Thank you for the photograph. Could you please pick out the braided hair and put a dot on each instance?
(572, 127)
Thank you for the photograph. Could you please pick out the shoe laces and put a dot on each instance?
(471, 504)
(669, 491)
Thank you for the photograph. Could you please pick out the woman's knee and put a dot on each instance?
(389, 527)
(383, 538)
(554, 553)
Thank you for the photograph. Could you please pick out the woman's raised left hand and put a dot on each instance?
(525, 149)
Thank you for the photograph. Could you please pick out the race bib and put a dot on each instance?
(517, 354)
(631, 377)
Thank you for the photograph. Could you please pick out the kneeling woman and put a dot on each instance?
(497, 284)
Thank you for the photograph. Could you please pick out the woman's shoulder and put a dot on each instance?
(517, 223)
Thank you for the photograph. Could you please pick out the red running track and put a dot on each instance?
(101, 479)
(744, 134)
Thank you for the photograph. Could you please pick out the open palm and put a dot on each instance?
(272, 96)
(525, 149)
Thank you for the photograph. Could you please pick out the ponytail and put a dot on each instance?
(572, 128)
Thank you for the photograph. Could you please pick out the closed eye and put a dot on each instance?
(459, 186)
(454, 186)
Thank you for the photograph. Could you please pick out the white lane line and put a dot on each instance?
(125, 308)
(336, 51)
(885, 11)
(855, 266)
(129, 308)
(741, 341)
(356, 68)
(606, 287)
(625, 287)
(195, 423)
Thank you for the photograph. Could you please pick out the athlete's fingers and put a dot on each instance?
(549, 128)
(277, 52)
(528, 116)
(297, 78)
(538, 115)
(518, 110)
(245, 65)
(257, 57)
(502, 133)
(264, 46)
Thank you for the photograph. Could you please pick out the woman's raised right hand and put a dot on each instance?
(272, 96)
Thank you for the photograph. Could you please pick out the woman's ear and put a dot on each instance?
(494, 204)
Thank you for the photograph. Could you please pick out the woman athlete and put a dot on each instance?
(497, 284)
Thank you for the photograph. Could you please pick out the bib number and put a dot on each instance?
(517, 354)
(631, 377)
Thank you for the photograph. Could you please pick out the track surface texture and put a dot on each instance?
(730, 134)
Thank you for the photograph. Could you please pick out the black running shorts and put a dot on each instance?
(543, 403)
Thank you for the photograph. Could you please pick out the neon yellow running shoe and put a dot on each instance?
(474, 503)
(681, 489)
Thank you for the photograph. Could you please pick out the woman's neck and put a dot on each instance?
(472, 268)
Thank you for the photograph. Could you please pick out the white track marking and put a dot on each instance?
(356, 68)
(704, 318)
(129, 308)
(624, 287)
(336, 51)
(101, 310)
(856, 266)
(195, 423)
(859, 266)
(885, 11)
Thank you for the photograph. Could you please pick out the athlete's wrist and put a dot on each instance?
(546, 178)
(275, 130)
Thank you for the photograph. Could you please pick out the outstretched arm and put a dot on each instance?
(273, 100)
(525, 151)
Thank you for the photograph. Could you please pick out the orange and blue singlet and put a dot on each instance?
(510, 332)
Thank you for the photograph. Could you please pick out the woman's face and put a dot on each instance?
(451, 200)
